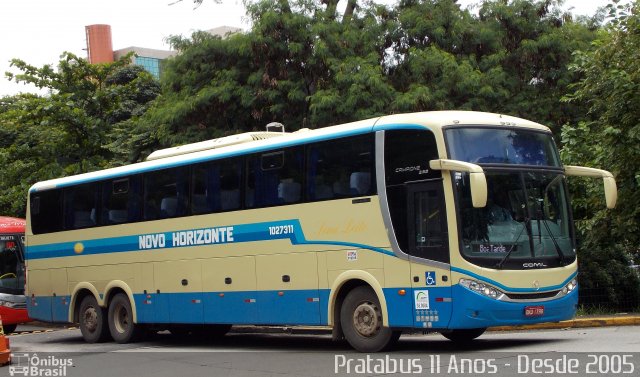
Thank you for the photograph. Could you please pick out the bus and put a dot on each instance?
(13, 306)
(447, 222)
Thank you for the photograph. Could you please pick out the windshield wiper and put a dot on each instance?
(513, 246)
(555, 243)
(553, 238)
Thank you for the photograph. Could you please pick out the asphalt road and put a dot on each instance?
(597, 351)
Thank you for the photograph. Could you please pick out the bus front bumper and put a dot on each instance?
(11, 316)
(473, 310)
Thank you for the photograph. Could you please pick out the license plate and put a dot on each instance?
(533, 311)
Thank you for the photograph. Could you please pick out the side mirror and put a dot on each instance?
(477, 178)
(610, 188)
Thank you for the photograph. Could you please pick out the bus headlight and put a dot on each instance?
(482, 288)
(573, 284)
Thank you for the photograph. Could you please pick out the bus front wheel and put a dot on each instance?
(361, 320)
(92, 318)
(121, 325)
(463, 335)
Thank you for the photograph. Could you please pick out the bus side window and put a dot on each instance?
(165, 194)
(216, 186)
(340, 168)
(80, 206)
(46, 211)
(230, 184)
(121, 201)
(275, 178)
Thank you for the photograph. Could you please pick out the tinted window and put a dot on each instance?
(121, 201)
(46, 211)
(502, 146)
(216, 186)
(81, 206)
(341, 168)
(165, 194)
(407, 156)
(275, 178)
(428, 237)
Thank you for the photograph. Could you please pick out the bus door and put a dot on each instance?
(428, 246)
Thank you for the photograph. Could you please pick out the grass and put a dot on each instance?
(586, 310)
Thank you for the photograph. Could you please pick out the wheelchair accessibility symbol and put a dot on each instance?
(430, 277)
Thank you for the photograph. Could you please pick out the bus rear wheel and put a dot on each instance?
(463, 335)
(121, 325)
(361, 320)
(92, 318)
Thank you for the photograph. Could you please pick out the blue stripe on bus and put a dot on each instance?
(217, 156)
(293, 307)
(511, 289)
(266, 231)
(463, 309)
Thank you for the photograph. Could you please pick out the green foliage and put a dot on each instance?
(608, 137)
(73, 129)
(303, 65)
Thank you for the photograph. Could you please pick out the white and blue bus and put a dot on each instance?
(449, 222)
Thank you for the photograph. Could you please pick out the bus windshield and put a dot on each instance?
(524, 225)
(487, 145)
(11, 265)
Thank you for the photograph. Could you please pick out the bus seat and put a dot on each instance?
(83, 219)
(289, 192)
(360, 182)
(229, 199)
(117, 216)
(168, 206)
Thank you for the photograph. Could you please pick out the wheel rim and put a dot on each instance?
(366, 319)
(91, 319)
(121, 318)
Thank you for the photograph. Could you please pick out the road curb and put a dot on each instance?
(576, 323)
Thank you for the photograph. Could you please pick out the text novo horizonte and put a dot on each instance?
(197, 237)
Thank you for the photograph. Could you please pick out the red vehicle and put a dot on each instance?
(13, 306)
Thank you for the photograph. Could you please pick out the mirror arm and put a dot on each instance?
(476, 178)
(610, 188)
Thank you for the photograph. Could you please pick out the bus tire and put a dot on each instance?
(463, 335)
(92, 318)
(361, 320)
(8, 329)
(121, 325)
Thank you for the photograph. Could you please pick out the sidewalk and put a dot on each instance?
(632, 319)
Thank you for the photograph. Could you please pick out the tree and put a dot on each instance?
(74, 128)
(511, 58)
(296, 63)
(608, 136)
(303, 65)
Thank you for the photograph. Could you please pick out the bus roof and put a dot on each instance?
(11, 225)
(429, 120)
